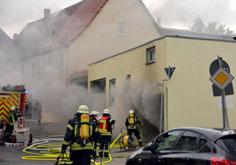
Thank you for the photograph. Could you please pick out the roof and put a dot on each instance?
(82, 16)
(195, 35)
(79, 74)
(4, 39)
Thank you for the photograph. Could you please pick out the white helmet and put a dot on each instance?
(106, 111)
(83, 109)
(131, 111)
(96, 113)
(12, 108)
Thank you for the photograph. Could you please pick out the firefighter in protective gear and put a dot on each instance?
(1, 123)
(93, 117)
(9, 126)
(132, 124)
(78, 136)
(106, 124)
(13, 114)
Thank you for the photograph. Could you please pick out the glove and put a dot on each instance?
(63, 149)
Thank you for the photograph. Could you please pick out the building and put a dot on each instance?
(4, 40)
(5, 43)
(114, 29)
(67, 41)
(188, 96)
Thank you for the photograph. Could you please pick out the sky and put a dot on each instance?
(14, 15)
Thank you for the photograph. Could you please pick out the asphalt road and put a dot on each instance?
(12, 156)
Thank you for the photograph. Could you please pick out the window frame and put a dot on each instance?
(196, 143)
(162, 135)
(148, 55)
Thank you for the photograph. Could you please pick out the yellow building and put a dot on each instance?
(133, 79)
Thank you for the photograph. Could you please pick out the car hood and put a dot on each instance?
(136, 153)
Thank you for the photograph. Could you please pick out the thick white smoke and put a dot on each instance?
(145, 99)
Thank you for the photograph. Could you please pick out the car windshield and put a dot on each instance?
(228, 143)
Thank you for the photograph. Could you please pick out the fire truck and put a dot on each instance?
(13, 104)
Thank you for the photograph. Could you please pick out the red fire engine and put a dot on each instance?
(13, 103)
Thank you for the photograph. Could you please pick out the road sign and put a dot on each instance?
(169, 71)
(228, 90)
(221, 78)
(215, 66)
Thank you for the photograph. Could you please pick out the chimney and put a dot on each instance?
(47, 13)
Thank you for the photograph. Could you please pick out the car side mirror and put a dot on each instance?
(149, 147)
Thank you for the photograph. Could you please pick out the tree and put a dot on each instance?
(198, 25)
(213, 27)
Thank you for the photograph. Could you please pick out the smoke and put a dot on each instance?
(60, 101)
(143, 98)
(181, 13)
(14, 16)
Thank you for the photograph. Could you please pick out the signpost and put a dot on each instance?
(221, 79)
(169, 72)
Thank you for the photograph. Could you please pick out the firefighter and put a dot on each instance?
(1, 130)
(1, 123)
(95, 139)
(79, 137)
(106, 124)
(132, 124)
(13, 115)
(9, 126)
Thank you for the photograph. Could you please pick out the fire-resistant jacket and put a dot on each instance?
(136, 124)
(107, 126)
(72, 136)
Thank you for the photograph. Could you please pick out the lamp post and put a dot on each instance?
(169, 71)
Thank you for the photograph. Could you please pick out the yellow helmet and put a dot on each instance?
(83, 109)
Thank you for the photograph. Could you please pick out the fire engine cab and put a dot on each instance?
(13, 104)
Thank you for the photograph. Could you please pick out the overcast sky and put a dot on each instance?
(15, 14)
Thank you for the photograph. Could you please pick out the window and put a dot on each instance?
(203, 145)
(188, 142)
(166, 141)
(228, 143)
(150, 55)
(112, 91)
(98, 85)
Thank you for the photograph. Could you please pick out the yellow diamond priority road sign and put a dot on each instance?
(221, 78)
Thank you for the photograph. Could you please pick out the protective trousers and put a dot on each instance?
(81, 157)
(104, 145)
(137, 135)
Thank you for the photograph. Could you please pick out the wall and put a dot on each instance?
(190, 97)
(119, 26)
(132, 62)
(142, 91)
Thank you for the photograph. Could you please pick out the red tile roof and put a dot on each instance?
(83, 14)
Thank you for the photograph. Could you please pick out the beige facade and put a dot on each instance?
(115, 28)
(188, 94)
(119, 26)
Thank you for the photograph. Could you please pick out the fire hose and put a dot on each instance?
(44, 150)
